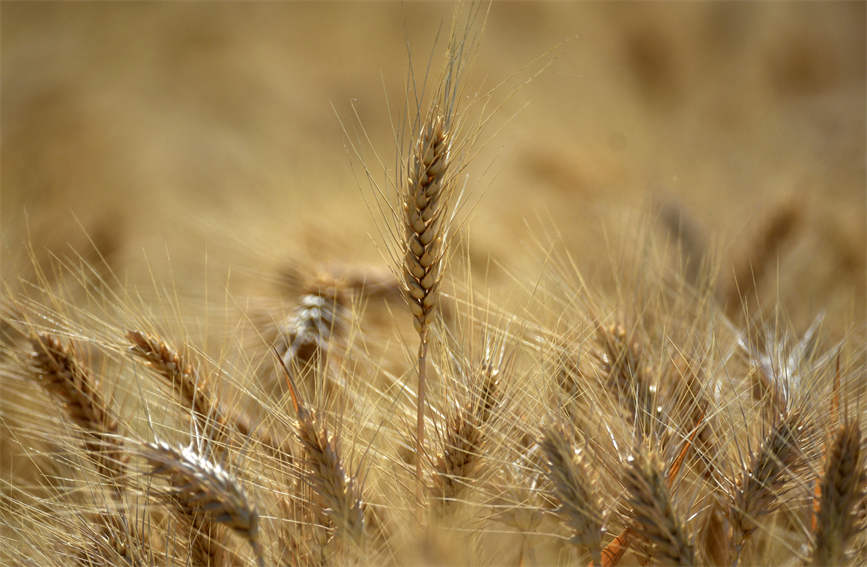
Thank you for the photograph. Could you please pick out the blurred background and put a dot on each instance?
(170, 141)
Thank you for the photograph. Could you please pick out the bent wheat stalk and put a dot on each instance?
(187, 382)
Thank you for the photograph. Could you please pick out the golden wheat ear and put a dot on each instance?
(574, 489)
(64, 375)
(842, 486)
(424, 208)
(187, 382)
(624, 362)
(339, 493)
(464, 435)
(205, 494)
(759, 485)
(424, 202)
(653, 514)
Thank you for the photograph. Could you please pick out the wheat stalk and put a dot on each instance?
(842, 487)
(340, 495)
(188, 383)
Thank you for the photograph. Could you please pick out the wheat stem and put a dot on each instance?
(420, 414)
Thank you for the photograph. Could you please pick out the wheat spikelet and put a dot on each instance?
(574, 490)
(464, 435)
(205, 494)
(761, 481)
(62, 374)
(193, 389)
(186, 381)
(652, 512)
(842, 487)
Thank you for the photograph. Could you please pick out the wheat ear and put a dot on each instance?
(424, 199)
(628, 376)
(842, 485)
(195, 392)
(319, 315)
(62, 374)
(206, 494)
(614, 551)
(760, 483)
(653, 516)
(574, 489)
(189, 384)
(339, 493)
(464, 436)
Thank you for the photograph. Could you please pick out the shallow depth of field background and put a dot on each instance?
(187, 140)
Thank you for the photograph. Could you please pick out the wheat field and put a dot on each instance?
(433, 284)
